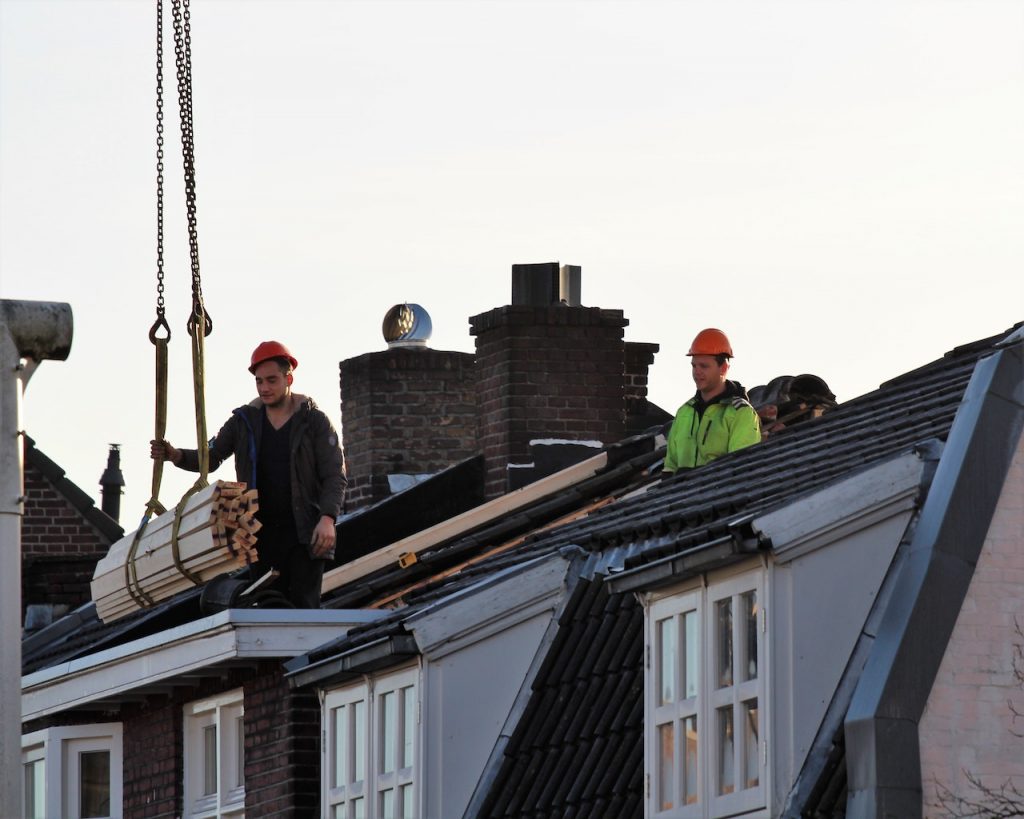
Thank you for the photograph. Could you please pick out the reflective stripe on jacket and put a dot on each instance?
(729, 423)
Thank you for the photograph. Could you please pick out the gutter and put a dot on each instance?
(883, 755)
(383, 653)
(694, 561)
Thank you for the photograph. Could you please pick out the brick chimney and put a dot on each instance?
(547, 367)
(407, 411)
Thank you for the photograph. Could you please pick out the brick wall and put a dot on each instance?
(546, 372)
(282, 747)
(59, 546)
(152, 782)
(968, 723)
(405, 410)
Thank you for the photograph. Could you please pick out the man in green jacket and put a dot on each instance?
(719, 418)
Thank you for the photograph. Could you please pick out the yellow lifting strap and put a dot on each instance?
(153, 506)
(197, 331)
(199, 325)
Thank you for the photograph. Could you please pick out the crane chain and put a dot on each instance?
(161, 319)
(183, 64)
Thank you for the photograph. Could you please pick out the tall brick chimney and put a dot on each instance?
(546, 368)
(406, 411)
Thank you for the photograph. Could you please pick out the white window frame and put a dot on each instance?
(58, 750)
(359, 791)
(225, 713)
(701, 597)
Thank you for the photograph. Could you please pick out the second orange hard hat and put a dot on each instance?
(711, 342)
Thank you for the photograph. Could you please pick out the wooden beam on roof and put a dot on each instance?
(461, 524)
(576, 514)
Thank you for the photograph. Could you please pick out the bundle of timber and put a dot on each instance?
(217, 534)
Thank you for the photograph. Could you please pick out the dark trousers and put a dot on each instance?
(300, 574)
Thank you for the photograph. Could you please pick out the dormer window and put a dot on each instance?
(371, 734)
(705, 745)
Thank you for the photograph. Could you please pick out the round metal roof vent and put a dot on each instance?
(407, 325)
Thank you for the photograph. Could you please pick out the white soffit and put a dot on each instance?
(235, 634)
(852, 504)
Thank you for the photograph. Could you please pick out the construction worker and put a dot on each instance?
(719, 418)
(287, 449)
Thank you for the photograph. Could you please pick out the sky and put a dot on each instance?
(837, 185)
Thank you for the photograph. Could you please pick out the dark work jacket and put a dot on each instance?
(317, 465)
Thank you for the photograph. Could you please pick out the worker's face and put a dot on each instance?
(708, 374)
(272, 384)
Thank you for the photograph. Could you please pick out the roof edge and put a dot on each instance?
(881, 726)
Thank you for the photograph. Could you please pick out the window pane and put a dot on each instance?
(94, 793)
(750, 766)
(358, 742)
(387, 804)
(690, 761)
(723, 641)
(749, 606)
(35, 778)
(726, 771)
(340, 747)
(340, 812)
(692, 653)
(666, 757)
(388, 729)
(209, 760)
(359, 808)
(667, 659)
(408, 725)
(406, 801)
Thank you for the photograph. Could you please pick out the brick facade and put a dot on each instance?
(282, 747)
(281, 742)
(968, 724)
(153, 786)
(405, 410)
(546, 372)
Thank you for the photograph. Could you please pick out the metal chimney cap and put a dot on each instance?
(407, 325)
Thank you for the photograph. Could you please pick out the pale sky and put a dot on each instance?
(837, 185)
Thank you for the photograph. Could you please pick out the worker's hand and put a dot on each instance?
(161, 450)
(323, 536)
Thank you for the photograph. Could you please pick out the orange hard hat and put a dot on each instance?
(711, 342)
(270, 349)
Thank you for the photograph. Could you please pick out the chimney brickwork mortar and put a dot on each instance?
(546, 372)
(639, 358)
(405, 410)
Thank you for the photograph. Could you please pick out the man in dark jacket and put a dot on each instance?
(286, 448)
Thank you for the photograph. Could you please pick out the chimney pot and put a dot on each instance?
(541, 285)
(111, 482)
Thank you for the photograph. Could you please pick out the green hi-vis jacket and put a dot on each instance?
(729, 423)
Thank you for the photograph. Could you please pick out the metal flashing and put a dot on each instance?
(694, 561)
(881, 727)
(365, 659)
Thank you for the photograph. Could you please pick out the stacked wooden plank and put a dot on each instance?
(217, 534)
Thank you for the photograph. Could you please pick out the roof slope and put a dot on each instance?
(683, 514)
(578, 749)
